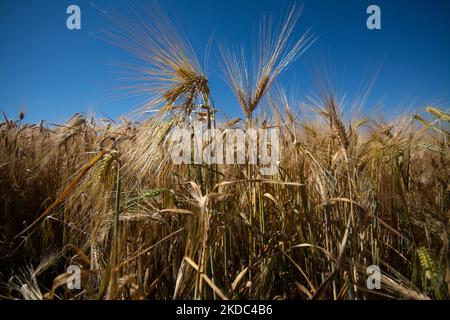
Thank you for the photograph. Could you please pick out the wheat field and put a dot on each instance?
(350, 191)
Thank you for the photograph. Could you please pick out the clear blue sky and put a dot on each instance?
(52, 72)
